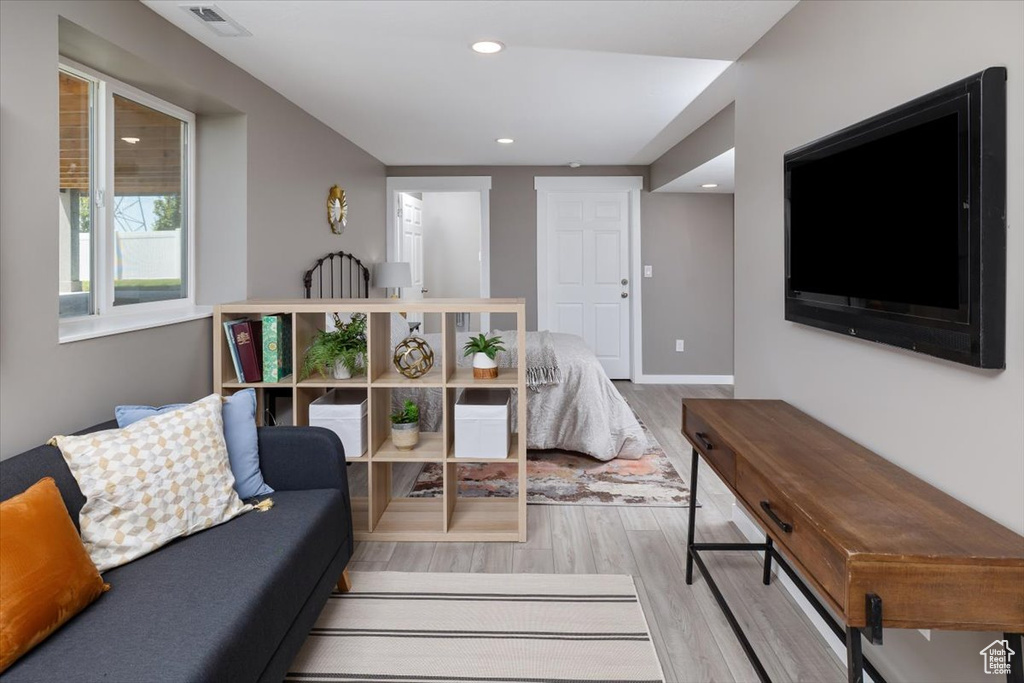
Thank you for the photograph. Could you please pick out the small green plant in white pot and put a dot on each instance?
(484, 349)
(405, 426)
(340, 352)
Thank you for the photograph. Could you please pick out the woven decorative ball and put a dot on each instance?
(414, 357)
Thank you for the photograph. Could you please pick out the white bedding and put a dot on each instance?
(584, 413)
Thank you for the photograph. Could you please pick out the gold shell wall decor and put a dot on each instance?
(337, 210)
(414, 357)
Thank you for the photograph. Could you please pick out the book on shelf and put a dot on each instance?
(246, 334)
(233, 349)
(277, 347)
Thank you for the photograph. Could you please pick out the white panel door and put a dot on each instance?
(411, 220)
(588, 271)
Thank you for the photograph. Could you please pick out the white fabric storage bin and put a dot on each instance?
(343, 411)
(483, 424)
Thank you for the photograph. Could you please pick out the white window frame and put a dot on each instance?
(105, 318)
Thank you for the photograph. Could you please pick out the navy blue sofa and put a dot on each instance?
(232, 603)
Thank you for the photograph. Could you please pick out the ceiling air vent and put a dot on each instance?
(214, 19)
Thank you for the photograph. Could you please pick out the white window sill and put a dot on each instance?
(103, 326)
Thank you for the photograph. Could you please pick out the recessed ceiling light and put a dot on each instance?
(504, 141)
(131, 141)
(487, 47)
(708, 186)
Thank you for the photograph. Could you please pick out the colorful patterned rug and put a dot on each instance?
(563, 478)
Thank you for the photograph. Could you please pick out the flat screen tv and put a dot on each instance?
(896, 226)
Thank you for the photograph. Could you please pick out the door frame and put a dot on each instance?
(545, 185)
(480, 184)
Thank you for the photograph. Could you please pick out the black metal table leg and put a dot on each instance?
(854, 656)
(857, 665)
(748, 649)
(767, 580)
(693, 512)
(1015, 642)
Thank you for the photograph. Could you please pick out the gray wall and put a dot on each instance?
(290, 172)
(260, 213)
(221, 149)
(713, 138)
(687, 238)
(827, 65)
(514, 256)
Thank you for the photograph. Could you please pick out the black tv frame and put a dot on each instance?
(976, 333)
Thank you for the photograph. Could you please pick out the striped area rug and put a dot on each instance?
(528, 628)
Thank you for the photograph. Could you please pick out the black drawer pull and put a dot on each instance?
(703, 438)
(785, 526)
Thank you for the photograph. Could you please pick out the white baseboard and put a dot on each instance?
(754, 534)
(684, 379)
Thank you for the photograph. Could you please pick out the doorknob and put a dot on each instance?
(625, 281)
(424, 290)
(625, 295)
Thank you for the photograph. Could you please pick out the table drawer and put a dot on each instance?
(707, 441)
(800, 540)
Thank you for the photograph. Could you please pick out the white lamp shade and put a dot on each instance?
(392, 274)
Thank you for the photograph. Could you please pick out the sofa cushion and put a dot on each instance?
(158, 479)
(213, 606)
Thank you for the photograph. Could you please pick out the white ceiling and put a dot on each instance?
(721, 170)
(579, 80)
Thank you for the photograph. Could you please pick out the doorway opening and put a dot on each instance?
(441, 227)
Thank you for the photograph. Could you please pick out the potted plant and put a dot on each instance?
(405, 426)
(339, 352)
(484, 349)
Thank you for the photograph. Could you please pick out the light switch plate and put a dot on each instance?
(679, 345)
(648, 271)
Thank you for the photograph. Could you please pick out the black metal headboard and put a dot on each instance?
(352, 278)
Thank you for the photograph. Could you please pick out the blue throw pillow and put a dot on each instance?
(239, 414)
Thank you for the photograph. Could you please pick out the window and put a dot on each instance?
(126, 237)
(76, 205)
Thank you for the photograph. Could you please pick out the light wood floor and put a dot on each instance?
(693, 639)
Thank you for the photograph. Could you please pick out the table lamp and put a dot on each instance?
(392, 275)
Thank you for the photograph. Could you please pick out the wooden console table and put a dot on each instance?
(878, 546)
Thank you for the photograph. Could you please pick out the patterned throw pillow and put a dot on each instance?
(159, 479)
(240, 435)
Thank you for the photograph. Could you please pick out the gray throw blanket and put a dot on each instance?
(541, 361)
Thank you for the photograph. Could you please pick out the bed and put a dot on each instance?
(583, 412)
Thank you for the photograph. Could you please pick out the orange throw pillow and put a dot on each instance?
(46, 576)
